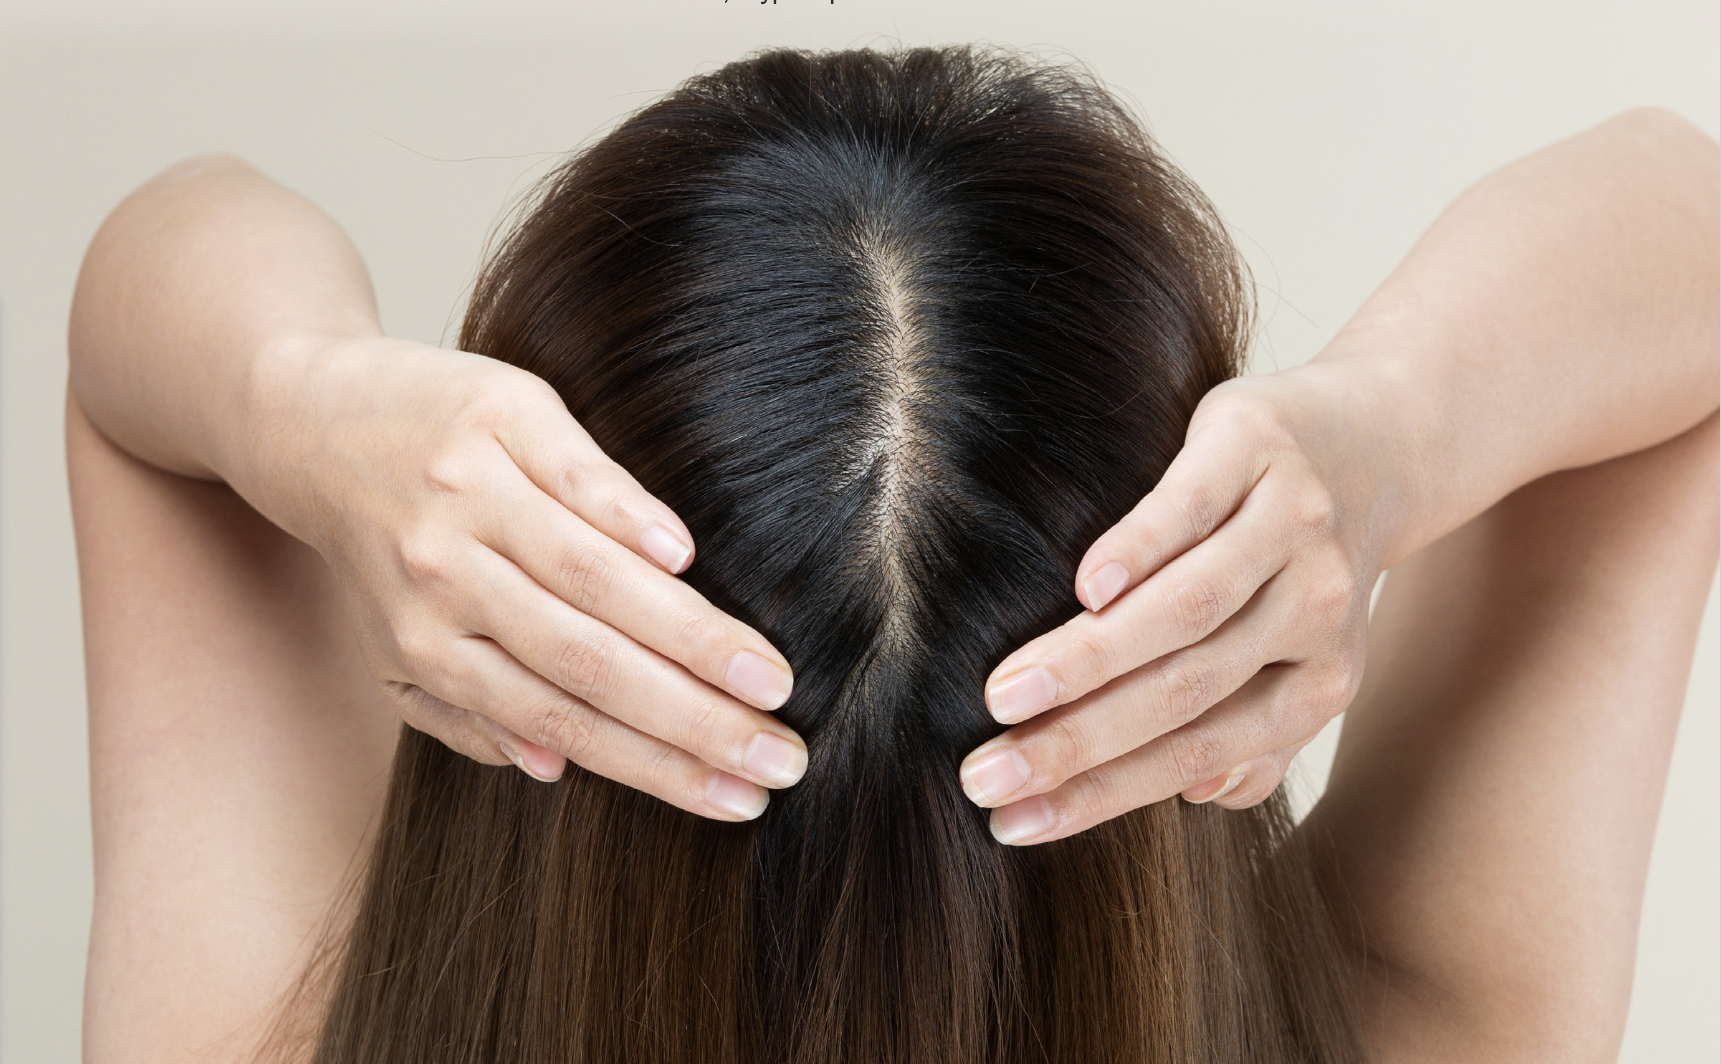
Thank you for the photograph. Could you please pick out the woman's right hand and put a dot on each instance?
(513, 588)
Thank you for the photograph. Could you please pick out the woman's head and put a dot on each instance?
(896, 335)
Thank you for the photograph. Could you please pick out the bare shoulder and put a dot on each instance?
(238, 757)
(1494, 798)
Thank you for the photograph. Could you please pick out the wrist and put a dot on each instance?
(292, 383)
(1379, 413)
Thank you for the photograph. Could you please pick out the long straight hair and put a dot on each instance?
(897, 335)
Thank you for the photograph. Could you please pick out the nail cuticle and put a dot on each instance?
(735, 796)
(992, 779)
(1022, 695)
(1105, 584)
(1025, 821)
(665, 548)
(775, 760)
(756, 679)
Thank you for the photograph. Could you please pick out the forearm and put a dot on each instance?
(184, 303)
(1562, 312)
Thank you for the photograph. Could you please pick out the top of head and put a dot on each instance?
(896, 335)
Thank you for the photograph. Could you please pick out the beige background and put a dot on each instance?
(1328, 134)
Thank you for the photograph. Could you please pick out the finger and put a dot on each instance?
(1247, 784)
(1269, 713)
(1177, 607)
(597, 576)
(559, 456)
(1261, 776)
(1127, 713)
(1203, 486)
(482, 675)
(472, 734)
(605, 669)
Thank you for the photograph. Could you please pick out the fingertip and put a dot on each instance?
(1255, 789)
(674, 553)
(1213, 789)
(1023, 823)
(1104, 585)
(733, 798)
(1021, 695)
(545, 766)
(774, 760)
(759, 680)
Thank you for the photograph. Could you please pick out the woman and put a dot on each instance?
(1560, 316)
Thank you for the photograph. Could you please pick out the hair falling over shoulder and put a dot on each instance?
(897, 335)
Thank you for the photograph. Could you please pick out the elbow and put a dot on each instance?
(1666, 138)
(204, 164)
(115, 265)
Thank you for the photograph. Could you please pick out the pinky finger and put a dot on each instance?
(487, 677)
(1245, 785)
(473, 734)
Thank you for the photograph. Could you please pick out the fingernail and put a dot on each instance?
(1022, 822)
(665, 548)
(995, 777)
(757, 680)
(775, 759)
(1019, 697)
(1217, 787)
(1104, 584)
(515, 756)
(735, 796)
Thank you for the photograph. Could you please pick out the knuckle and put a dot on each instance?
(494, 397)
(1087, 661)
(566, 728)
(1201, 508)
(1331, 592)
(1241, 410)
(1099, 798)
(420, 649)
(524, 389)
(695, 631)
(701, 725)
(1185, 692)
(1196, 608)
(1317, 513)
(585, 667)
(1194, 754)
(594, 480)
(1065, 748)
(1227, 404)
(406, 698)
(662, 773)
(472, 734)
(585, 578)
(1338, 688)
(453, 470)
(425, 556)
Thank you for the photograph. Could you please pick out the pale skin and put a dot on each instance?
(419, 533)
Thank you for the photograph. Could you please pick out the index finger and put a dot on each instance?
(1202, 487)
(557, 453)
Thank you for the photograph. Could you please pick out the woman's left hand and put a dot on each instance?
(1226, 618)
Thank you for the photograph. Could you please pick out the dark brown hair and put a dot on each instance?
(897, 335)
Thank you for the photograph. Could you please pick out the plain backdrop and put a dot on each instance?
(1328, 134)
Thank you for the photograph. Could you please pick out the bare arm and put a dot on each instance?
(1562, 312)
(511, 586)
(187, 294)
(1494, 799)
(238, 758)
